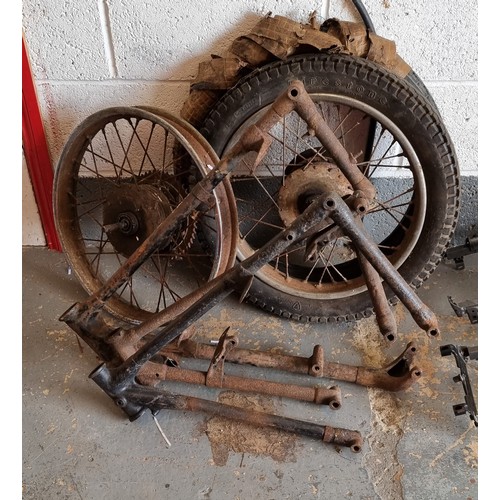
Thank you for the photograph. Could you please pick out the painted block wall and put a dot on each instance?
(91, 54)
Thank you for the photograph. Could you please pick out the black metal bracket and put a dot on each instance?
(458, 253)
(467, 307)
(463, 354)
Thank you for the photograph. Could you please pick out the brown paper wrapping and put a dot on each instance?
(278, 37)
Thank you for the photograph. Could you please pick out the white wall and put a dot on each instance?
(91, 54)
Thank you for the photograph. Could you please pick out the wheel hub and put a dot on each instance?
(128, 223)
(132, 212)
(303, 186)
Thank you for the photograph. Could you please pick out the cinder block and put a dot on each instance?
(458, 105)
(155, 41)
(64, 106)
(437, 38)
(64, 41)
(158, 40)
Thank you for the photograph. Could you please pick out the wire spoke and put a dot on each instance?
(109, 151)
(383, 157)
(306, 279)
(399, 155)
(374, 148)
(100, 204)
(98, 175)
(325, 267)
(392, 215)
(162, 272)
(145, 151)
(258, 221)
(99, 253)
(125, 151)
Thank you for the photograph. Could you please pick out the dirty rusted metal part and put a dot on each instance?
(317, 178)
(383, 313)
(152, 373)
(307, 110)
(134, 400)
(215, 377)
(423, 316)
(95, 330)
(395, 376)
(222, 286)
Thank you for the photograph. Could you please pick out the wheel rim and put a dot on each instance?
(295, 169)
(123, 173)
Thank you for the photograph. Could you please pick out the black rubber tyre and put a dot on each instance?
(413, 79)
(417, 125)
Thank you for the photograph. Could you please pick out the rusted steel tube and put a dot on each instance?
(317, 362)
(422, 315)
(263, 359)
(228, 282)
(307, 110)
(383, 313)
(153, 372)
(156, 400)
(396, 376)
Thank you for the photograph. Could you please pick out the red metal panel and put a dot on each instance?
(37, 155)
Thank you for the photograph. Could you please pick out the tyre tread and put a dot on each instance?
(412, 94)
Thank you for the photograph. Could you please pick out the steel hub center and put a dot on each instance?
(303, 186)
(132, 212)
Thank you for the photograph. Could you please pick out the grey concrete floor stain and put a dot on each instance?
(78, 445)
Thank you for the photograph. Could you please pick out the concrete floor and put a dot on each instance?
(78, 444)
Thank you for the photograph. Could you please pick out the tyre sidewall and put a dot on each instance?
(401, 103)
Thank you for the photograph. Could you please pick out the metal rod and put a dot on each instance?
(423, 316)
(154, 372)
(385, 317)
(135, 399)
(307, 110)
(395, 376)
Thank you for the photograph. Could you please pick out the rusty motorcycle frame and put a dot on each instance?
(136, 358)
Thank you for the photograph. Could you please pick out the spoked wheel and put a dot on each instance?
(398, 142)
(123, 171)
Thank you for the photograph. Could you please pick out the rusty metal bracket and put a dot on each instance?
(215, 372)
(215, 377)
(467, 307)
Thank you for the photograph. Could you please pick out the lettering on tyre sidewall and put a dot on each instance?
(321, 84)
